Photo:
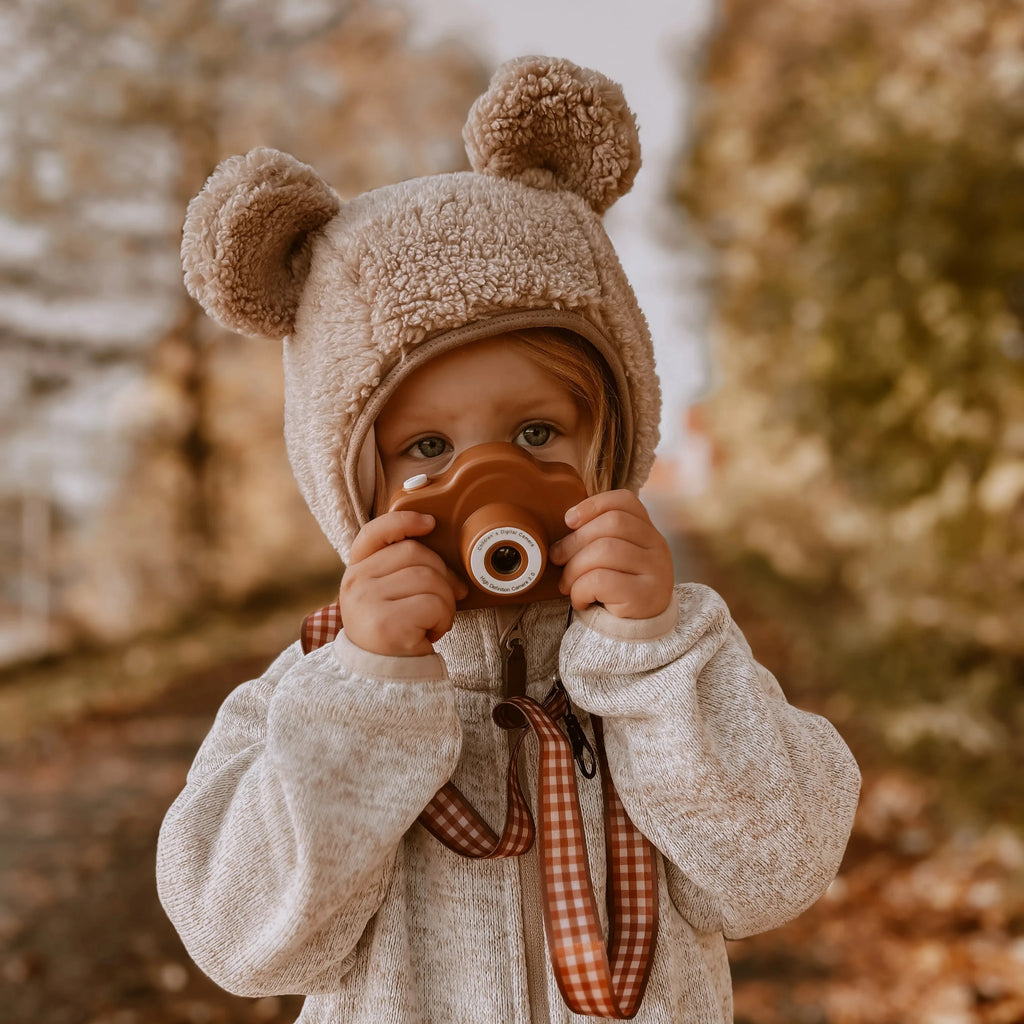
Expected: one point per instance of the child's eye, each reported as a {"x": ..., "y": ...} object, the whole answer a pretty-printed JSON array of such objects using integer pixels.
[
  {"x": 535, "y": 434},
  {"x": 429, "y": 448}
]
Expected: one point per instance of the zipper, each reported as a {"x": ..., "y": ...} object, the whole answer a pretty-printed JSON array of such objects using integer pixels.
[
  {"x": 534, "y": 946},
  {"x": 513, "y": 665}
]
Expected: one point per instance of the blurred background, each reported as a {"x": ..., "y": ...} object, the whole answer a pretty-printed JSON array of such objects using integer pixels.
[{"x": 828, "y": 239}]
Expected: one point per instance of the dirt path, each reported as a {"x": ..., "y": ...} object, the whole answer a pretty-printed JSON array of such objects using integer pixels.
[{"x": 84, "y": 939}]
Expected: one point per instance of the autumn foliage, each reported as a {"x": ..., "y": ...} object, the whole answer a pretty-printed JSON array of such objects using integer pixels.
[
  {"x": 858, "y": 170},
  {"x": 860, "y": 167}
]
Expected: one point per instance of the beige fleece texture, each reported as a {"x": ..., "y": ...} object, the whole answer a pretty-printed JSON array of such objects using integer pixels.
[{"x": 356, "y": 287}]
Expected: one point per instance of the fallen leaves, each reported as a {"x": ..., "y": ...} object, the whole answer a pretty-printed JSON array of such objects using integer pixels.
[{"x": 923, "y": 924}]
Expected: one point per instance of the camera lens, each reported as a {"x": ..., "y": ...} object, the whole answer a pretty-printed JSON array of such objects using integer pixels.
[{"x": 505, "y": 560}]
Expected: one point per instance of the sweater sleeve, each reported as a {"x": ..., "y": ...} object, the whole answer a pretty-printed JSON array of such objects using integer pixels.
[
  {"x": 280, "y": 847},
  {"x": 749, "y": 799}
]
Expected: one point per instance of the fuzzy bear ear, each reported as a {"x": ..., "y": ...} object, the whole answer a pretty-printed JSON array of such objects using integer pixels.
[
  {"x": 553, "y": 125},
  {"x": 246, "y": 243}
]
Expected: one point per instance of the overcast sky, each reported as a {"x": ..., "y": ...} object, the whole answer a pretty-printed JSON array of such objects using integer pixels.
[{"x": 648, "y": 46}]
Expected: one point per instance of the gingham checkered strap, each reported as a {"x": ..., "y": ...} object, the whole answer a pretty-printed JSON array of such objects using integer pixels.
[
  {"x": 321, "y": 627},
  {"x": 595, "y": 978}
]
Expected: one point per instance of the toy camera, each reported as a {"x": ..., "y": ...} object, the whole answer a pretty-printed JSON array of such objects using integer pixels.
[{"x": 497, "y": 511}]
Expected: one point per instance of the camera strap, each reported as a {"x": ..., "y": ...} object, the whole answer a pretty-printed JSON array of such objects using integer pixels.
[{"x": 595, "y": 977}]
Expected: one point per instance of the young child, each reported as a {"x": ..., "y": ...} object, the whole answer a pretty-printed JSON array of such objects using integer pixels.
[{"x": 421, "y": 320}]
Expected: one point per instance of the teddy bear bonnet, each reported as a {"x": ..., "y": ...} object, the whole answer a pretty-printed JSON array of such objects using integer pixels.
[{"x": 364, "y": 290}]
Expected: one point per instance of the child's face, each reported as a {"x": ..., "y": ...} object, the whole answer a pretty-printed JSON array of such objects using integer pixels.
[{"x": 485, "y": 391}]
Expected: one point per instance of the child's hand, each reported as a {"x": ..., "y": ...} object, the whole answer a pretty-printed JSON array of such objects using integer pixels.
[
  {"x": 397, "y": 596},
  {"x": 615, "y": 556}
]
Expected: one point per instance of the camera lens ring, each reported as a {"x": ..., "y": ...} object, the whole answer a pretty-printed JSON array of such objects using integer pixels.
[{"x": 524, "y": 577}]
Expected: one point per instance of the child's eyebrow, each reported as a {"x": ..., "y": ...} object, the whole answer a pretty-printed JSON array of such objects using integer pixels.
[
  {"x": 431, "y": 418},
  {"x": 532, "y": 402}
]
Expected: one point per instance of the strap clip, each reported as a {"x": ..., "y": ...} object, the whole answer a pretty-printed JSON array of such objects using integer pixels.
[{"x": 582, "y": 752}]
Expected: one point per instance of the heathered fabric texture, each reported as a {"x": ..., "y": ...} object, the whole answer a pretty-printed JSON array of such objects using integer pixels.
[{"x": 291, "y": 861}]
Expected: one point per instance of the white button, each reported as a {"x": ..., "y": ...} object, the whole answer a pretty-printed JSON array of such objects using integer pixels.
[{"x": 414, "y": 483}]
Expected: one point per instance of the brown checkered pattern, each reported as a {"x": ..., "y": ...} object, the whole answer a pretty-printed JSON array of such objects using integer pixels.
[
  {"x": 321, "y": 627},
  {"x": 594, "y": 978},
  {"x": 453, "y": 820},
  {"x": 632, "y": 892}
]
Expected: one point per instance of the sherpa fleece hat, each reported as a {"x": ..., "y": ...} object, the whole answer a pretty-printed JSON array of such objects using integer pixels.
[{"x": 363, "y": 291}]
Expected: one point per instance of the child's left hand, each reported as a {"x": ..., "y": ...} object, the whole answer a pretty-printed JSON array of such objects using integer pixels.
[{"x": 614, "y": 556}]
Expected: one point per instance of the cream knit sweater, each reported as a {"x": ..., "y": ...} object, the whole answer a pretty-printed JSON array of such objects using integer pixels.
[{"x": 292, "y": 860}]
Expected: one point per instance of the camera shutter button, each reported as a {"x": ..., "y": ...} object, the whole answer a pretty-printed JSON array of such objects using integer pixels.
[{"x": 414, "y": 483}]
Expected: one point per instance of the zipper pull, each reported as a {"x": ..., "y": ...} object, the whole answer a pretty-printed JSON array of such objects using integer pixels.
[
  {"x": 582, "y": 752},
  {"x": 513, "y": 677},
  {"x": 514, "y": 665}
]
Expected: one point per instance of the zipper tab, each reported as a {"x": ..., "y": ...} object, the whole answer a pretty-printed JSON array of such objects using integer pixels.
[
  {"x": 514, "y": 663},
  {"x": 582, "y": 752},
  {"x": 513, "y": 677}
]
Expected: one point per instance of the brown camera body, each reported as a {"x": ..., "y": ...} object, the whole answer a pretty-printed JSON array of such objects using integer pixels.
[{"x": 497, "y": 511}]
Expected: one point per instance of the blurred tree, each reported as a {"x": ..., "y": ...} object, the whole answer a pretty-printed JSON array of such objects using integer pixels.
[
  {"x": 143, "y": 472},
  {"x": 860, "y": 169}
]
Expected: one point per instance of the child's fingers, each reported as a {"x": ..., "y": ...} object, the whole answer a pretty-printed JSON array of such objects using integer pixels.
[
  {"x": 424, "y": 580},
  {"x": 397, "y": 595},
  {"x": 412, "y": 579},
  {"x": 394, "y": 612},
  {"x": 458, "y": 585},
  {"x": 413, "y": 623},
  {"x": 605, "y": 501},
  {"x": 401, "y": 554},
  {"x": 395, "y": 556},
  {"x": 615, "y": 557},
  {"x": 612, "y": 523},
  {"x": 625, "y": 595},
  {"x": 422, "y": 603},
  {"x": 592, "y": 587},
  {"x": 605, "y": 553},
  {"x": 428, "y": 609},
  {"x": 387, "y": 529}
]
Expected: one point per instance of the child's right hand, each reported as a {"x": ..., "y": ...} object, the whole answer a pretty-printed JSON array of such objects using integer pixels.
[{"x": 397, "y": 596}]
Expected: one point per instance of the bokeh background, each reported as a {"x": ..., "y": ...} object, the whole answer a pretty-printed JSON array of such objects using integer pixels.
[{"x": 828, "y": 237}]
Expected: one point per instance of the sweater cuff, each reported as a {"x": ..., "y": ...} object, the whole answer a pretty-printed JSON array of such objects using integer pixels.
[
  {"x": 600, "y": 620},
  {"x": 415, "y": 668}
]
